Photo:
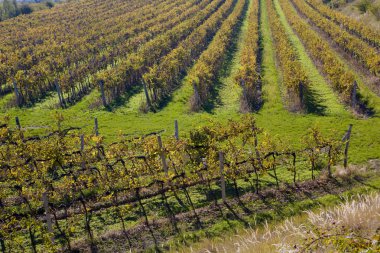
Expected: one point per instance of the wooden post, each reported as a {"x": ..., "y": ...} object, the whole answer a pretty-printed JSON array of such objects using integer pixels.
[
  {"x": 17, "y": 93},
  {"x": 301, "y": 94},
  {"x": 354, "y": 94},
  {"x": 18, "y": 123},
  {"x": 162, "y": 155},
  {"x": 81, "y": 150},
  {"x": 176, "y": 133},
  {"x": 47, "y": 213},
  {"x": 256, "y": 143},
  {"x": 244, "y": 103},
  {"x": 82, "y": 143},
  {"x": 101, "y": 84},
  {"x": 96, "y": 128},
  {"x": 197, "y": 102},
  {"x": 60, "y": 97},
  {"x": 19, "y": 127},
  {"x": 147, "y": 95},
  {"x": 329, "y": 161},
  {"x": 222, "y": 180},
  {"x": 347, "y": 139}
]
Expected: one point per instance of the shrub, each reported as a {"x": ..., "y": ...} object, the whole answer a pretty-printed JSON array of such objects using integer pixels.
[
  {"x": 364, "y": 6},
  {"x": 49, "y": 4},
  {"x": 25, "y": 9}
]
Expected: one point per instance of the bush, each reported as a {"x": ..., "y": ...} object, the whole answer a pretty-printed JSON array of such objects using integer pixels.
[
  {"x": 335, "y": 3},
  {"x": 25, "y": 9},
  {"x": 364, "y": 6},
  {"x": 50, "y": 4}
]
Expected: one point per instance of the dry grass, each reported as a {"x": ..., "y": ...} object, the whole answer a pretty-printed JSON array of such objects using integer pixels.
[
  {"x": 368, "y": 18},
  {"x": 358, "y": 217},
  {"x": 349, "y": 172}
]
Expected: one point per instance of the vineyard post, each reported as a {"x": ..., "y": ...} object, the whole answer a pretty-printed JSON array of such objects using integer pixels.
[
  {"x": 256, "y": 143},
  {"x": 301, "y": 94},
  {"x": 61, "y": 101},
  {"x": 294, "y": 155},
  {"x": 96, "y": 127},
  {"x": 82, "y": 149},
  {"x": 222, "y": 179},
  {"x": 176, "y": 134},
  {"x": 147, "y": 95},
  {"x": 81, "y": 142},
  {"x": 162, "y": 155},
  {"x": 196, "y": 102},
  {"x": 354, "y": 94},
  {"x": 19, "y": 127},
  {"x": 244, "y": 104},
  {"x": 47, "y": 213},
  {"x": 329, "y": 160},
  {"x": 347, "y": 139},
  {"x": 101, "y": 84},
  {"x": 17, "y": 93},
  {"x": 18, "y": 123}
]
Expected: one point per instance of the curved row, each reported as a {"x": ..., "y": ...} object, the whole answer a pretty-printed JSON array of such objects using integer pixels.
[
  {"x": 128, "y": 73},
  {"x": 365, "y": 54},
  {"x": 204, "y": 73},
  {"x": 69, "y": 65},
  {"x": 164, "y": 77},
  {"x": 341, "y": 79},
  {"x": 248, "y": 75},
  {"x": 73, "y": 76},
  {"x": 355, "y": 27},
  {"x": 294, "y": 76},
  {"x": 24, "y": 48}
]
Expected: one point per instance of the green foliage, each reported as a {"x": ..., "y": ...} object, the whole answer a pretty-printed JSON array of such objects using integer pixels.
[
  {"x": 9, "y": 9},
  {"x": 364, "y": 5},
  {"x": 49, "y": 4},
  {"x": 25, "y": 9}
]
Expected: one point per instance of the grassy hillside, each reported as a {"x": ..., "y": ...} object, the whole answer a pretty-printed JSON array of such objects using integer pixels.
[
  {"x": 137, "y": 66},
  {"x": 126, "y": 117}
]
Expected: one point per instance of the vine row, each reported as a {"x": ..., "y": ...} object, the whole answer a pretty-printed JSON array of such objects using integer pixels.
[
  {"x": 368, "y": 56},
  {"x": 294, "y": 75},
  {"x": 341, "y": 79},
  {"x": 205, "y": 71}
]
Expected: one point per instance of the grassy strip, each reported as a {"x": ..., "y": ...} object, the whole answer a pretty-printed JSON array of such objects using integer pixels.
[
  {"x": 229, "y": 92},
  {"x": 271, "y": 80}
]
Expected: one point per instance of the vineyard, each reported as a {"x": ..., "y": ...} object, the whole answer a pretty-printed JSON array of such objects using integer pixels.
[
  {"x": 261, "y": 94},
  {"x": 69, "y": 176}
]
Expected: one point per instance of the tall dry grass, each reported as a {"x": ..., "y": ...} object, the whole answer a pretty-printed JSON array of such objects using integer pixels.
[{"x": 353, "y": 226}]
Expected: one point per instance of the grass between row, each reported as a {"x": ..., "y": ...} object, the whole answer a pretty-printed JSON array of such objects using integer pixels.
[{"x": 273, "y": 117}]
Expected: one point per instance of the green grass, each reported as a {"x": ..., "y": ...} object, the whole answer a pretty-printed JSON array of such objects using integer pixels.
[
  {"x": 270, "y": 76},
  {"x": 273, "y": 117}
]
